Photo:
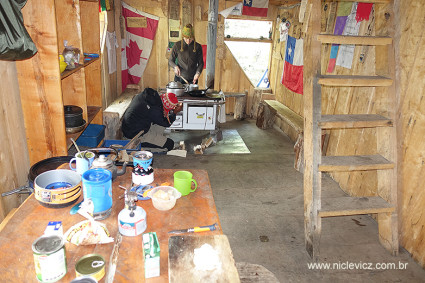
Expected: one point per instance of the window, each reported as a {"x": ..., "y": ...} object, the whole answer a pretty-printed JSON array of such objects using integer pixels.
[{"x": 252, "y": 54}]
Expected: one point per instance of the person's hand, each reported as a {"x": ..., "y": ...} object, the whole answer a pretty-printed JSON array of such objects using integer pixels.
[
  {"x": 178, "y": 108},
  {"x": 177, "y": 70},
  {"x": 195, "y": 78}
]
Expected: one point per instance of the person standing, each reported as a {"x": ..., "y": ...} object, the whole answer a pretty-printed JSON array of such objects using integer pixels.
[
  {"x": 152, "y": 113},
  {"x": 186, "y": 57}
]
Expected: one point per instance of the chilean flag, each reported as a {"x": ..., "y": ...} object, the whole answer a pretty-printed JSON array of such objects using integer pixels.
[
  {"x": 256, "y": 8},
  {"x": 292, "y": 76},
  {"x": 136, "y": 44}
]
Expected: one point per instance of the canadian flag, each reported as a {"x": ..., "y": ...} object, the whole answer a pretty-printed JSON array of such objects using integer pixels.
[
  {"x": 140, "y": 30},
  {"x": 256, "y": 8}
]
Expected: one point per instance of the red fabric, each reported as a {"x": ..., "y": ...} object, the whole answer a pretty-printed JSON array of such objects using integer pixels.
[
  {"x": 256, "y": 12},
  {"x": 204, "y": 55},
  {"x": 363, "y": 11},
  {"x": 293, "y": 77},
  {"x": 148, "y": 32}
]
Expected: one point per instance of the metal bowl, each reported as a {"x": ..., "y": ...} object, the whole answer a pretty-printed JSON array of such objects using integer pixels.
[{"x": 57, "y": 188}]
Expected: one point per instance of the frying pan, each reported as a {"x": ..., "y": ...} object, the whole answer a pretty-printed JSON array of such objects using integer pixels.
[{"x": 198, "y": 93}]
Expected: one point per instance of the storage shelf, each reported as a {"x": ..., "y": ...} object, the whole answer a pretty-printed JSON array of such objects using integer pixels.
[
  {"x": 70, "y": 72},
  {"x": 91, "y": 113}
]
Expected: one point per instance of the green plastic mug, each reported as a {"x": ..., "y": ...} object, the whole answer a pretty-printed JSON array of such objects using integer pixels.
[{"x": 183, "y": 182}]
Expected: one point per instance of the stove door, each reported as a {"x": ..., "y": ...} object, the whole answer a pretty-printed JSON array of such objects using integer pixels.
[{"x": 200, "y": 115}]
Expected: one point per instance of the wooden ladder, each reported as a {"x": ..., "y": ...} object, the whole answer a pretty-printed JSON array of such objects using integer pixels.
[{"x": 384, "y": 204}]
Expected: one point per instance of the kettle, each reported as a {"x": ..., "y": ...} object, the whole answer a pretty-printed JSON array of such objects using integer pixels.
[{"x": 106, "y": 163}]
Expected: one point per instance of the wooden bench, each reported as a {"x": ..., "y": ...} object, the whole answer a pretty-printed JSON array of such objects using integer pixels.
[
  {"x": 272, "y": 112},
  {"x": 112, "y": 115},
  {"x": 240, "y": 103}
]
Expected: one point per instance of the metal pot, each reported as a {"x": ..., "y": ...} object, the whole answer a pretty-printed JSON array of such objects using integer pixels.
[
  {"x": 175, "y": 87},
  {"x": 73, "y": 116},
  {"x": 192, "y": 87},
  {"x": 107, "y": 163}
]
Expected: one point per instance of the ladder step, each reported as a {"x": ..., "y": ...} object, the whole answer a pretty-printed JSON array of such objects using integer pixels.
[
  {"x": 353, "y": 206},
  {"x": 356, "y": 40},
  {"x": 365, "y": 1},
  {"x": 355, "y": 163},
  {"x": 341, "y": 121},
  {"x": 328, "y": 80}
]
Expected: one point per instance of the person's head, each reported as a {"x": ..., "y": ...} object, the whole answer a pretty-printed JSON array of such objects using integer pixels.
[
  {"x": 169, "y": 102},
  {"x": 188, "y": 35}
]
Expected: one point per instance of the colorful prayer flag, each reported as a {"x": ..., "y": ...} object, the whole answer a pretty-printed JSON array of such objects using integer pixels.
[
  {"x": 292, "y": 76},
  {"x": 140, "y": 30},
  {"x": 256, "y": 8}
]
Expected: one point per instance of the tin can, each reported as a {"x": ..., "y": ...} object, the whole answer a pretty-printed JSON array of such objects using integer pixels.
[
  {"x": 49, "y": 258},
  {"x": 92, "y": 265},
  {"x": 84, "y": 279}
]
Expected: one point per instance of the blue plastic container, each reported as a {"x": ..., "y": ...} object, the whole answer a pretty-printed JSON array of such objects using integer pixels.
[
  {"x": 92, "y": 135},
  {"x": 97, "y": 186}
]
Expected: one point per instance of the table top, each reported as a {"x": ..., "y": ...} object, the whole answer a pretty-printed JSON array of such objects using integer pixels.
[{"x": 31, "y": 219}]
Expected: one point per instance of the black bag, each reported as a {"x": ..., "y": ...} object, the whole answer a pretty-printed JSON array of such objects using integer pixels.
[{"x": 15, "y": 42}]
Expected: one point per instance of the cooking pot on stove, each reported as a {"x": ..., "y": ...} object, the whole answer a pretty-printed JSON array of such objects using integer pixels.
[
  {"x": 73, "y": 116},
  {"x": 192, "y": 87},
  {"x": 175, "y": 87}
]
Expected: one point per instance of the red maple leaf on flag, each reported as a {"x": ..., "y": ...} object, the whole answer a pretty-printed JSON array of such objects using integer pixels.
[{"x": 133, "y": 54}]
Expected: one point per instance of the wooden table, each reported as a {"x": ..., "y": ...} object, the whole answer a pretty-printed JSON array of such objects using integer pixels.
[{"x": 30, "y": 220}]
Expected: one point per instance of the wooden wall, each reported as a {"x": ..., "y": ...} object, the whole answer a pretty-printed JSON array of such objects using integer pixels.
[
  {"x": 14, "y": 158},
  {"x": 409, "y": 43},
  {"x": 411, "y": 72}
]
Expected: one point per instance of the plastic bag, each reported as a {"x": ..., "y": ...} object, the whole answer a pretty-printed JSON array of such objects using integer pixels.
[
  {"x": 71, "y": 55},
  {"x": 15, "y": 42}
]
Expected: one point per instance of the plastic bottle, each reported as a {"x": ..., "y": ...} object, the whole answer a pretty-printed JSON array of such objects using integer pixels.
[{"x": 132, "y": 219}]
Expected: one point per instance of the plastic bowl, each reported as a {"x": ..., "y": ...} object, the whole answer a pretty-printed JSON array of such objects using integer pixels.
[{"x": 161, "y": 203}]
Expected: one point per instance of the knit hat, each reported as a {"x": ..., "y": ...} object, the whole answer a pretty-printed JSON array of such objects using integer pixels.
[
  {"x": 169, "y": 101},
  {"x": 188, "y": 32}
]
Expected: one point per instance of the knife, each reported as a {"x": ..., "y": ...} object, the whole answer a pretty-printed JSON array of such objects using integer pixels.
[{"x": 195, "y": 229}]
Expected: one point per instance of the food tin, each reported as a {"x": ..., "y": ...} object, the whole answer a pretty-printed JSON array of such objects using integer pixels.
[
  {"x": 84, "y": 279},
  {"x": 91, "y": 265},
  {"x": 49, "y": 258}
]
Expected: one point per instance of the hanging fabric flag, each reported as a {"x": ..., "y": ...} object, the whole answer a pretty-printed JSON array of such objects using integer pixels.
[
  {"x": 140, "y": 30},
  {"x": 234, "y": 10},
  {"x": 204, "y": 55},
  {"x": 256, "y": 8},
  {"x": 363, "y": 11},
  {"x": 292, "y": 76},
  {"x": 343, "y": 10},
  {"x": 346, "y": 52}
]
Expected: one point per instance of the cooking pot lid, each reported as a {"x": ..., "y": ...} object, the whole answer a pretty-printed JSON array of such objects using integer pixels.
[
  {"x": 175, "y": 85},
  {"x": 72, "y": 110}
]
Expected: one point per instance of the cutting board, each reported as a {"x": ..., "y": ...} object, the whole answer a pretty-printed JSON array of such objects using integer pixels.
[{"x": 180, "y": 259}]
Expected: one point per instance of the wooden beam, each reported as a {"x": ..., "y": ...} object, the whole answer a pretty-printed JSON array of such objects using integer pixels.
[
  {"x": 354, "y": 163},
  {"x": 353, "y": 206},
  {"x": 355, "y": 81},
  {"x": 357, "y": 40},
  {"x": 354, "y": 121},
  {"x": 248, "y": 39}
]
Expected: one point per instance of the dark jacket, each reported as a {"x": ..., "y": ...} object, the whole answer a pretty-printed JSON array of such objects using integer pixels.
[
  {"x": 188, "y": 61},
  {"x": 145, "y": 109}
]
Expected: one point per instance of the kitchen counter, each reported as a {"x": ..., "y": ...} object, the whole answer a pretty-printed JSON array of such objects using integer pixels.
[{"x": 31, "y": 219}]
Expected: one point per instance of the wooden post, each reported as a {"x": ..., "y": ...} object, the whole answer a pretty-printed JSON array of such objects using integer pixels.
[
  {"x": 211, "y": 43},
  {"x": 312, "y": 134}
]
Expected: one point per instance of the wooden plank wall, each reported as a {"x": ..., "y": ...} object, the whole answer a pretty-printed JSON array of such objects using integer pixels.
[
  {"x": 291, "y": 99},
  {"x": 411, "y": 73},
  {"x": 14, "y": 159}
]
